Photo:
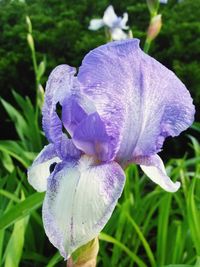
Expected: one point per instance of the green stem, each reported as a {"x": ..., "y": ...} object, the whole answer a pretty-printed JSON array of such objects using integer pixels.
[
  {"x": 147, "y": 45},
  {"x": 37, "y": 82}
]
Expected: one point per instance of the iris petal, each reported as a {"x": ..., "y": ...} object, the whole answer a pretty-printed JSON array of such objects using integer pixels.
[
  {"x": 154, "y": 168},
  {"x": 80, "y": 199},
  {"x": 90, "y": 136},
  {"x": 47, "y": 159},
  {"x": 60, "y": 84},
  {"x": 140, "y": 101},
  {"x": 96, "y": 24},
  {"x": 118, "y": 34},
  {"x": 40, "y": 169},
  {"x": 124, "y": 21},
  {"x": 110, "y": 18},
  {"x": 74, "y": 109}
]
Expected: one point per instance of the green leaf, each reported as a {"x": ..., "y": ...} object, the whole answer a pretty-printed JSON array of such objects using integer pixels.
[
  {"x": 17, "y": 118},
  {"x": 29, "y": 113},
  {"x": 143, "y": 240},
  {"x": 16, "y": 242},
  {"x": 21, "y": 210},
  {"x": 7, "y": 162},
  {"x": 41, "y": 69},
  {"x": 193, "y": 216},
  {"x": 197, "y": 262},
  {"x": 178, "y": 265},
  {"x": 163, "y": 219},
  {"x": 133, "y": 256},
  {"x": 54, "y": 260},
  {"x": 17, "y": 151},
  {"x": 196, "y": 126}
]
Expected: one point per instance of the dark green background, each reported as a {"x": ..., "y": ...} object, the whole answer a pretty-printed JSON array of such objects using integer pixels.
[{"x": 61, "y": 34}]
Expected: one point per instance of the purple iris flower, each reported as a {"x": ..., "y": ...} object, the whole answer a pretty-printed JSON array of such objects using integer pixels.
[{"x": 118, "y": 109}]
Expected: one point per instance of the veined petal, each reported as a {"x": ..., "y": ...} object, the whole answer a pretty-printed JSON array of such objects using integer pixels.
[
  {"x": 74, "y": 110},
  {"x": 80, "y": 199},
  {"x": 110, "y": 18},
  {"x": 40, "y": 169},
  {"x": 140, "y": 101},
  {"x": 96, "y": 24},
  {"x": 117, "y": 34},
  {"x": 68, "y": 150},
  {"x": 60, "y": 85},
  {"x": 90, "y": 136},
  {"x": 154, "y": 168}
]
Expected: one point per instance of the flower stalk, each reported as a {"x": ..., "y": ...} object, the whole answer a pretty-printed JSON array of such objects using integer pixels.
[{"x": 154, "y": 25}]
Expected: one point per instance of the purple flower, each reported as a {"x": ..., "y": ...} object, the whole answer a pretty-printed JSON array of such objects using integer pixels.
[
  {"x": 118, "y": 109},
  {"x": 115, "y": 24}
]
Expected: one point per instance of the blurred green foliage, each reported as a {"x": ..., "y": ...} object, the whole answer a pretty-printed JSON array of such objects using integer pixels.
[
  {"x": 178, "y": 45},
  {"x": 62, "y": 35}
]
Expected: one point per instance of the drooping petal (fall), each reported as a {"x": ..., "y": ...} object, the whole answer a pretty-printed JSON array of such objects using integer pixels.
[
  {"x": 46, "y": 161},
  {"x": 96, "y": 24},
  {"x": 154, "y": 168},
  {"x": 41, "y": 168},
  {"x": 60, "y": 84},
  {"x": 140, "y": 101},
  {"x": 80, "y": 198}
]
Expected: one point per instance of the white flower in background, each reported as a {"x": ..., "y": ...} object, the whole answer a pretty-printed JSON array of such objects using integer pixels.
[
  {"x": 166, "y": 1},
  {"x": 115, "y": 24},
  {"x": 163, "y": 1}
]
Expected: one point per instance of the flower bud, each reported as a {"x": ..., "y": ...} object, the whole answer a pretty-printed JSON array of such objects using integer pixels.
[
  {"x": 30, "y": 41},
  {"x": 40, "y": 96},
  {"x": 154, "y": 27},
  {"x": 153, "y": 6},
  {"x": 29, "y": 24}
]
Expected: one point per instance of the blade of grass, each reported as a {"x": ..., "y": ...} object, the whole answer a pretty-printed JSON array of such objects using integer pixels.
[
  {"x": 21, "y": 210},
  {"x": 193, "y": 217},
  {"x": 163, "y": 218},
  {"x": 132, "y": 255},
  {"x": 54, "y": 260},
  {"x": 16, "y": 242},
  {"x": 143, "y": 240}
]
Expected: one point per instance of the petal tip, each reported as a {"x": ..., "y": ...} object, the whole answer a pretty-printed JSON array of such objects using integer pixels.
[{"x": 173, "y": 187}]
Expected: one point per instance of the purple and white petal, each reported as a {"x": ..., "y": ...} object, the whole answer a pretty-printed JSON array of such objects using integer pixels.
[
  {"x": 40, "y": 169},
  {"x": 80, "y": 199},
  {"x": 68, "y": 150},
  {"x": 140, "y": 101},
  {"x": 96, "y": 24},
  {"x": 154, "y": 168},
  {"x": 61, "y": 84},
  {"x": 110, "y": 19},
  {"x": 90, "y": 136}
]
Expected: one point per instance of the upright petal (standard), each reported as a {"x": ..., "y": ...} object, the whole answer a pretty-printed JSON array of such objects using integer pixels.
[{"x": 140, "y": 101}]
